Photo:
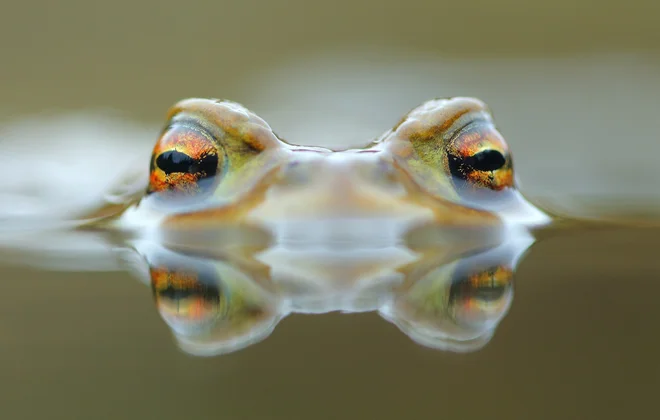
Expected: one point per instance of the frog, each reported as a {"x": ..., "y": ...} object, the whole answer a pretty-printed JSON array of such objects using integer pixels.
[{"x": 218, "y": 163}]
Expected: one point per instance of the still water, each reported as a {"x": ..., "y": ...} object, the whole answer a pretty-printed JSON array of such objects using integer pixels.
[
  {"x": 562, "y": 325},
  {"x": 573, "y": 335}
]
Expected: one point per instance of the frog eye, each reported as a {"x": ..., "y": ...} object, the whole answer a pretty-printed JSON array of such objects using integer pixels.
[
  {"x": 186, "y": 160},
  {"x": 212, "y": 149},
  {"x": 478, "y": 158},
  {"x": 451, "y": 147}
]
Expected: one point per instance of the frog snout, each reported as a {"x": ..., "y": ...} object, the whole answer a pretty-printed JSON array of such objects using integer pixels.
[{"x": 329, "y": 187}]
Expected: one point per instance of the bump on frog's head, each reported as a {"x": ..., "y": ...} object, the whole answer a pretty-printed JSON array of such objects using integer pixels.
[{"x": 455, "y": 139}]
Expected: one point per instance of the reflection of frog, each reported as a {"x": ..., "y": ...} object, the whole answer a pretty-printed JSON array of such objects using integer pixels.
[
  {"x": 441, "y": 297},
  {"x": 217, "y": 162}
]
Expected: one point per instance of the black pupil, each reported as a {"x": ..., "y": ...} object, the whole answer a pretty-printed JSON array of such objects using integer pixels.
[
  {"x": 207, "y": 292},
  {"x": 490, "y": 291},
  {"x": 174, "y": 161},
  {"x": 487, "y": 160},
  {"x": 465, "y": 290}
]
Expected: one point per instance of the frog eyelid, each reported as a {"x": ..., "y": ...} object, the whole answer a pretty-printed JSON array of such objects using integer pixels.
[
  {"x": 192, "y": 124},
  {"x": 473, "y": 121},
  {"x": 466, "y": 122}
]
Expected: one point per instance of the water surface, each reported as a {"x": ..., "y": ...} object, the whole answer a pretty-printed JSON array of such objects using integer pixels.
[{"x": 578, "y": 340}]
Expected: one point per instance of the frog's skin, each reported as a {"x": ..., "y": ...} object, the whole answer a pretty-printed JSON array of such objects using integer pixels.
[{"x": 218, "y": 163}]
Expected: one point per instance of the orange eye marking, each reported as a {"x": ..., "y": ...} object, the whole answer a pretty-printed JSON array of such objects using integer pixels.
[
  {"x": 474, "y": 140},
  {"x": 193, "y": 299},
  {"x": 181, "y": 158},
  {"x": 188, "y": 140},
  {"x": 497, "y": 276},
  {"x": 163, "y": 278}
]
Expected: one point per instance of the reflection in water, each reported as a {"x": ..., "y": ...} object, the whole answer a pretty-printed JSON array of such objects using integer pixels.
[
  {"x": 212, "y": 306},
  {"x": 456, "y": 306},
  {"x": 443, "y": 297}
]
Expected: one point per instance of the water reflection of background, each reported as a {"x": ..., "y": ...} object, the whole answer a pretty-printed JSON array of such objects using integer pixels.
[{"x": 574, "y": 88}]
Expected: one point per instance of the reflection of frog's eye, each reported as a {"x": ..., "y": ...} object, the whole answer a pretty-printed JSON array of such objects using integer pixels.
[
  {"x": 480, "y": 297},
  {"x": 189, "y": 297},
  {"x": 478, "y": 158},
  {"x": 185, "y": 160},
  {"x": 469, "y": 297},
  {"x": 457, "y": 306},
  {"x": 212, "y": 308}
]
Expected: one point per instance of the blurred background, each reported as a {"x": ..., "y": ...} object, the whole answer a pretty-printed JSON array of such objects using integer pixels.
[{"x": 574, "y": 86}]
